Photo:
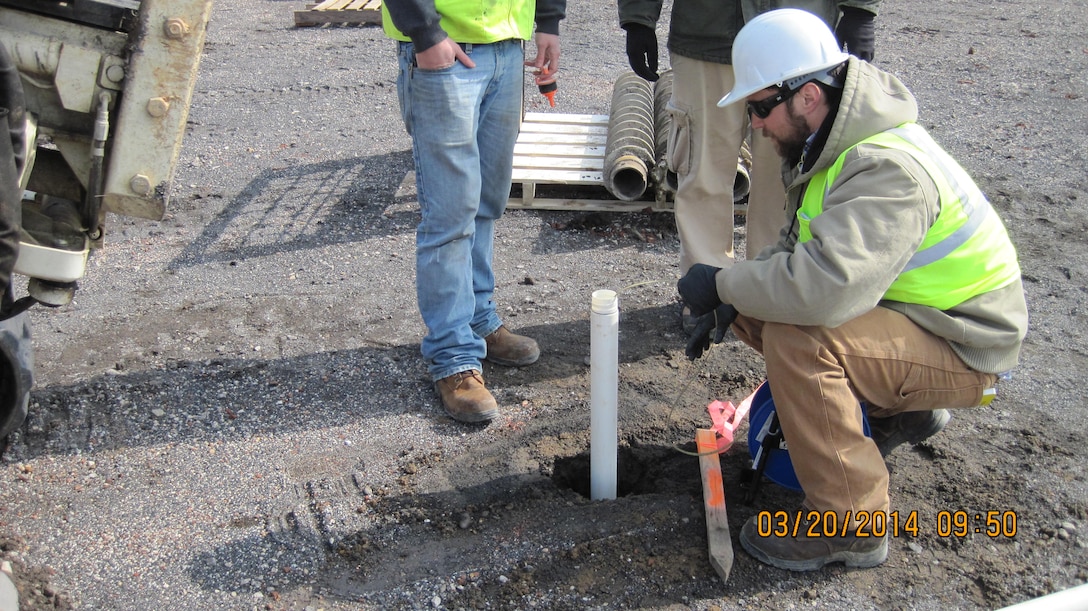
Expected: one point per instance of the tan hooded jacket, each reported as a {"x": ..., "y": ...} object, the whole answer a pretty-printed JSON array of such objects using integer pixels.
[{"x": 875, "y": 215}]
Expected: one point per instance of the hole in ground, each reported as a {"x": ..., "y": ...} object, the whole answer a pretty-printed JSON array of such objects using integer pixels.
[{"x": 639, "y": 470}]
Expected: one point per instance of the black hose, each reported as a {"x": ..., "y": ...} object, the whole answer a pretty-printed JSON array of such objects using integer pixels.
[
  {"x": 12, "y": 159},
  {"x": 11, "y": 98}
]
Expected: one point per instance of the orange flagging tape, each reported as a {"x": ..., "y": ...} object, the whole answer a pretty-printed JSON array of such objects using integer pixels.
[{"x": 726, "y": 418}]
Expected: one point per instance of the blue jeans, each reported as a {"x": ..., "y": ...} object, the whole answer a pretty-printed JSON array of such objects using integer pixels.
[{"x": 463, "y": 123}]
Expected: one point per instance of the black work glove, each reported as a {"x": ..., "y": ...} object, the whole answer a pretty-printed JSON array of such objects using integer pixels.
[
  {"x": 699, "y": 290},
  {"x": 857, "y": 31},
  {"x": 716, "y": 322},
  {"x": 642, "y": 50}
]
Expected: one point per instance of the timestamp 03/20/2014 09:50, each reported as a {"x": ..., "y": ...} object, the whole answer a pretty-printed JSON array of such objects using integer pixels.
[{"x": 951, "y": 523}]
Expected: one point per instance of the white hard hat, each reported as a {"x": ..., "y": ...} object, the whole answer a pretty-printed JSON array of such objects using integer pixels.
[{"x": 779, "y": 48}]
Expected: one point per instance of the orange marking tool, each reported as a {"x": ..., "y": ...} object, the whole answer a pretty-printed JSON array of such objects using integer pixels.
[{"x": 547, "y": 85}]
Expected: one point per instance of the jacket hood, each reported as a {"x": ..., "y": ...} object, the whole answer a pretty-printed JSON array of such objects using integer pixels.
[{"x": 873, "y": 101}]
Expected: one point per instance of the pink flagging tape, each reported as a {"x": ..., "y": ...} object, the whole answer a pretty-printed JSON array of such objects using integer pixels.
[{"x": 726, "y": 418}]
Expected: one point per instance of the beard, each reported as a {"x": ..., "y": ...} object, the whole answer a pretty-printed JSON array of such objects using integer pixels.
[{"x": 791, "y": 146}]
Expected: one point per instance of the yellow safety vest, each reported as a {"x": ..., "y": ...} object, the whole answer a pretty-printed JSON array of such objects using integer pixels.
[
  {"x": 966, "y": 251},
  {"x": 473, "y": 21}
]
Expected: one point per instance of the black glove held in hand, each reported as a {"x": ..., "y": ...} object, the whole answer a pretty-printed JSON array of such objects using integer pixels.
[
  {"x": 699, "y": 290},
  {"x": 857, "y": 30},
  {"x": 642, "y": 50},
  {"x": 716, "y": 322}
]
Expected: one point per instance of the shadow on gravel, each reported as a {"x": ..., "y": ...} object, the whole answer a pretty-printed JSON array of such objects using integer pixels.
[
  {"x": 308, "y": 206},
  {"x": 564, "y": 347},
  {"x": 344, "y": 201},
  {"x": 200, "y": 400},
  {"x": 193, "y": 401}
]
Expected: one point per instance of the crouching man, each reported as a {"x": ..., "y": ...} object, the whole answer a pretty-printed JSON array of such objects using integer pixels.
[{"x": 893, "y": 281}]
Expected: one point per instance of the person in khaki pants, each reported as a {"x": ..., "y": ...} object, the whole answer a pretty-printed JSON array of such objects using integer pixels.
[
  {"x": 895, "y": 285},
  {"x": 704, "y": 140}
]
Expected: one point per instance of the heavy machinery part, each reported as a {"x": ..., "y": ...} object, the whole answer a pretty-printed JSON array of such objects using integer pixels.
[
  {"x": 51, "y": 293},
  {"x": 159, "y": 81},
  {"x": 10, "y": 196},
  {"x": 16, "y": 372},
  {"x": 107, "y": 87},
  {"x": 16, "y": 360},
  {"x": 143, "y": 57},
  {"x": 13, "y": 101},
  {"x": 629, "y": 149}
]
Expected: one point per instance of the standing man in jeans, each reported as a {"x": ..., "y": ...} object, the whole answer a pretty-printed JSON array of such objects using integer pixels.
[
  {"x": 704, "y": 140},
  {"x": 460, "y": 91}
]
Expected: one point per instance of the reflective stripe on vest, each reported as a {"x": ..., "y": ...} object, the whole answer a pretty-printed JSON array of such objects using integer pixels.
[
  {"x": 472, "y": 21},
  {"x": 966, "y": 251}
]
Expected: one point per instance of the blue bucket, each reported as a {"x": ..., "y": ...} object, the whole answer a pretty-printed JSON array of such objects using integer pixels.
[{"x": 779, "y": 467}]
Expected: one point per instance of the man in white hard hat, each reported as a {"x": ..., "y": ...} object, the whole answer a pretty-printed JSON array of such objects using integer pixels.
[
  {"x": 895, "y": 285},
  {"x": 701, "y": 136}
]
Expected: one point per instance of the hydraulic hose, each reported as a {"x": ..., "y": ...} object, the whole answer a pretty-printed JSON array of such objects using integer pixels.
[{"x": 11, "y": 98}]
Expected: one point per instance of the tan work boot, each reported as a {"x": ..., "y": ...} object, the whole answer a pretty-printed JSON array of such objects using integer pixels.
[
  {"x": 465, "y": 398},
  {"x": 511, "y": 350}
]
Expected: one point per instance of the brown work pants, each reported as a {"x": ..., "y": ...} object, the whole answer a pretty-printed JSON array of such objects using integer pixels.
[{"x": 818, "y": 376}]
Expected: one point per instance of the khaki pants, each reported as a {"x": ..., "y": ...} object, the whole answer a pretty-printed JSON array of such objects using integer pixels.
[
  {"x": 704, "y": 143},
  {"x": 818, "y": 376}
]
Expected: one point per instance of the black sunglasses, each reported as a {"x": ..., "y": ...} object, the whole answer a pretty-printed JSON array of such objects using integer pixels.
[{"x": 763, "y": 108}]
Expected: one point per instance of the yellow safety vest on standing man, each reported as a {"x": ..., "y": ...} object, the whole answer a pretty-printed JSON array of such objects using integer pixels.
[{"x": 473, "y": 21}]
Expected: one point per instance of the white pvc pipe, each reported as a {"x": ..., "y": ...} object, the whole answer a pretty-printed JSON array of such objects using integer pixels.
[
  {"x": 1073, "y": 599},
  {"x": 604, "y": 321}
]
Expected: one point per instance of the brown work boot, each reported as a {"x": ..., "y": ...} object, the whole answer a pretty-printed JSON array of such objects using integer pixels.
[
  {"x": 465, "y": 399},
  {"x": 805, "y": 553},
  {"x": 511, "y": 350},
  {"x": 907, "y": 427}
]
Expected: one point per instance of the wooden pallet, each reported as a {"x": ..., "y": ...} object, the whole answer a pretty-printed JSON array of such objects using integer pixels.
[
  {"x": 559, "y": 165},
  {"x": 340, "y": 12}
]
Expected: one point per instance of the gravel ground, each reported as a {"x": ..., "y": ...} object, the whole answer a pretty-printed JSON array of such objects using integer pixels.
[{"x": 233, "y": 413}]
